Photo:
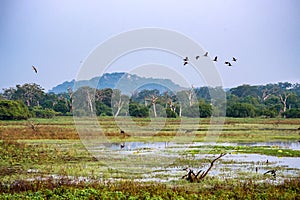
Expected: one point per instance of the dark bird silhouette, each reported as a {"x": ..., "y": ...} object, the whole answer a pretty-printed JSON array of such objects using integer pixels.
[
  {"x": 206, "y": 54},
  {"x": 228, "y": 63},
  {"x": 186, "y": 59},
  {"x": 185, "y": 63},
  {"x": 34, "y": 68},
  {"x": 215, "y": 59},
  {"x": 197, "y": 57},
  {"x": 122, "y": 145},
  {"x": 272, "y": 172},
  {"x": 267, "y": 161},
  {"x": 122, "y": 131},
  {"x": 256, "y": 169},
  {"x": 234, "y": 59}
]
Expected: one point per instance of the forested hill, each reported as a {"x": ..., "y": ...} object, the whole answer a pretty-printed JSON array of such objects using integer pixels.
[{"x": 110, "y": 80}]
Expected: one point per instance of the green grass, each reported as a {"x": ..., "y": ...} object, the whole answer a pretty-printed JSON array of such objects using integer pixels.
[
  {"x": 209, "y": 189},
  {"x": 55, "y": 148}
]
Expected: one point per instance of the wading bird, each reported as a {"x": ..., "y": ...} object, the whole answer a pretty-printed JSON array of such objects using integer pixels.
[{"x": 122, "y": 145}]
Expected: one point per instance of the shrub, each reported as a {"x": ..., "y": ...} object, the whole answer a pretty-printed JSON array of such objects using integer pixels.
[
  {"x": 43, "y": 113},
  {"x": 170, "y": 113},
  {"x": 137, "y": 110},
  {"x": 10, "y": 110},
  {"x": 241, "y": 110},
  {"x": 205, "y": 109},
  {"x": 102, "y": 109},
  {"x": 292, "y": 113}
]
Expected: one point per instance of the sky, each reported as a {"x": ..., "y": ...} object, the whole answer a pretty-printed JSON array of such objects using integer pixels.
[{"x": 58, "y": 36}]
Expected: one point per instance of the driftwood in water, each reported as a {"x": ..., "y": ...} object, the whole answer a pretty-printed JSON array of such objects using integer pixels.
[{"x": 192, "y": 177}]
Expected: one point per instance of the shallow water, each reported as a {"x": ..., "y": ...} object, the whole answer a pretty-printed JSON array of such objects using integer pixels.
[
  {"x": 163, "y": 145},
  {"x": 231, "y": 165}
]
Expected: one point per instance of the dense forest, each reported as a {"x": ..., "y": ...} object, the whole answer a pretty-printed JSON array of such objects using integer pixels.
[{"x": 271, "y": 100}]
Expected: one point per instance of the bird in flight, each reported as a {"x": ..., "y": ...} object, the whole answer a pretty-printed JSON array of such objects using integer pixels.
[
  {"x": 34, "y": 68},
  {"x": 206, "y": 54},
  {"x": 234, "y": 59},
  {"x": 228, "y": 63},
  {"x": 216, "y": 59},
  {"x": 273, "y": 172}
]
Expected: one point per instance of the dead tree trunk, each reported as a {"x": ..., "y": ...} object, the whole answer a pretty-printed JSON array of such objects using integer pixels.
[
  {"x": 153, "y": 101},
  {"x": 119, "y": 106},
  {"x": 192, "y": 177},
  {"x": 89, "y": 101},
  {"x": 283, "y": 99}
]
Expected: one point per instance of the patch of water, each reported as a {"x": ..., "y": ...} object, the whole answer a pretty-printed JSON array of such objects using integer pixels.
[{"x": 163, "y": 145}]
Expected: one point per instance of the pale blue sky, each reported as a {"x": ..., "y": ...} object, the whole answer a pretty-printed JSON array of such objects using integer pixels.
[{"x": 56, "y": 35}]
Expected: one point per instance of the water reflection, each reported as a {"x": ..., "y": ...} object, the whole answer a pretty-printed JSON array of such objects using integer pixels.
[{"x": 163, "y": 145}]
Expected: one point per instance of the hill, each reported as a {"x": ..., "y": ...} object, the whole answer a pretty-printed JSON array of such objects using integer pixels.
[{"x": 124, "y": 81}]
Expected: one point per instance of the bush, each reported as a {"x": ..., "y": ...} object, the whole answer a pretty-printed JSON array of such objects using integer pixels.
[
  {"x": 13, "y": 110},
  {"x": 43, "y": 113},
  {"x": 191, "y": 111},
  {"x": 170, "y": 113},
  {"x": 61, "y": 107},
  {"x": 137, "y": 110},
  {"x": 241, "y": 110},
  {"x": 103, "y": 110},
  {"x": 205, "y": 109},
  {"x": 292, "y": 113}
]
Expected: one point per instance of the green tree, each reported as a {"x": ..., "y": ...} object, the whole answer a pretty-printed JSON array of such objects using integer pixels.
[
  {"x": 292, "y": 113},
  {"x": 138, "y": 110},
  {"x": 61, "y": 107},
  {"x": 31, "y": 94},
  {"x": 102, "y": 109},
  {"x": 245, "y": 90},
  {"x": 241, "y": 110},
  {"x": 205, "y": 109},
  {"x": 10, "y": 110},
  {"x": 43, "y": 113}
]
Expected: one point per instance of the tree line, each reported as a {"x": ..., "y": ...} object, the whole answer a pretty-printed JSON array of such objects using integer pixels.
[{"x": 271, "y": 100}]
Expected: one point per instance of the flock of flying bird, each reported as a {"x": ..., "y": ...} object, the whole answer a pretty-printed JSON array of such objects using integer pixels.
[{"x": 186, "y": 59}]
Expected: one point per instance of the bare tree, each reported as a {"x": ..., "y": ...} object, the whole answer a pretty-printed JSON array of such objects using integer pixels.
[
  {"x": 118, "y": 101},
  {"x": 153, "y": 100},
  {"x": 192, "y": 177},
  {"x": 190, "y": 94},
  {"x": 283, "y": 99}
]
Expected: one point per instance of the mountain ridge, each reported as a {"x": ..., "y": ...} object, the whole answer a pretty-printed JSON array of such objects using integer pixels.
[{"x": 119, "y": 80}]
